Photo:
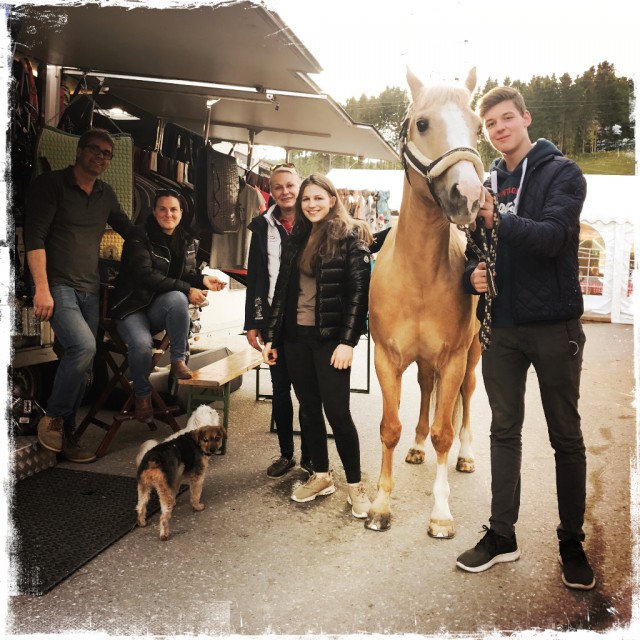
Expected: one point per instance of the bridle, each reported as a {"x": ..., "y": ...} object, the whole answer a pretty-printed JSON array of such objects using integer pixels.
[
  {"x": 432, "y": 169},
  {"x": 429, "y": 169}
]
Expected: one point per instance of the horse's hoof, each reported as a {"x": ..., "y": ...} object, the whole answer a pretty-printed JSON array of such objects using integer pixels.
[
  {"x": 442, "y": 529},
  {"x": 466, "y": 465},
  {"x": 378, "y": 522},
  {"x": 415, "y": 456}
]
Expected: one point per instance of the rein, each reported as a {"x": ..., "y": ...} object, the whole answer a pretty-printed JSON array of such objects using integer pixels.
[{"x": 486, "y": 252}]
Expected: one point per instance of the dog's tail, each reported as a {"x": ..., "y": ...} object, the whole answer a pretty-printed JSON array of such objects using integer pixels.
[{"x": 144, "y": 447}]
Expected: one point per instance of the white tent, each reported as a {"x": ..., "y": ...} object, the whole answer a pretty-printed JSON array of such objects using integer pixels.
[
  {"x": 608, "y": 227},
  {"x": 610, "y": 210}
]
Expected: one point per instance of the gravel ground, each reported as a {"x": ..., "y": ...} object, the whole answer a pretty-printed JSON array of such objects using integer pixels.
[{"x": 255, "y": 563}]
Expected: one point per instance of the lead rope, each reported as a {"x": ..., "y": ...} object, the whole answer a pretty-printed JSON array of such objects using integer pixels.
[{"x": 486, "y": 253}]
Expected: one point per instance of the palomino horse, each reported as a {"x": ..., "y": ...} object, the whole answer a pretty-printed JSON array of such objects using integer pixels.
[{"x": 418, "y": 309}]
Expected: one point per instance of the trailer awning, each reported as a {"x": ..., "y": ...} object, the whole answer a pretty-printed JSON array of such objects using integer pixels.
[{"x": 172, "y": 62}]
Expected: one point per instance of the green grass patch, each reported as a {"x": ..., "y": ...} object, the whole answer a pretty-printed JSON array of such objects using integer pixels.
[{"x": 617, "y": 163}]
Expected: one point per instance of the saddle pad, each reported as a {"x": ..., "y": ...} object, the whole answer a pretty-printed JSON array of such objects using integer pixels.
[{"x": 57, "y": 149}]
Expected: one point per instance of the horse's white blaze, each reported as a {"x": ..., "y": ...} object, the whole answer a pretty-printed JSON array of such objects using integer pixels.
[
  {"x": 466, "y": 177},
  {"x": 441, "y": 494},
  {"x": 456, "y": 126}
]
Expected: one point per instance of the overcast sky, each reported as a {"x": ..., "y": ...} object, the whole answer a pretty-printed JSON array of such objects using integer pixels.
[{"x": 363, "y": 48}]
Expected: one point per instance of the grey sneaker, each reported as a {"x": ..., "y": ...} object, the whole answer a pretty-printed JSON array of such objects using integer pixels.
[
  {"x": 315, "y": 486},
  {"x": 280, "y": 466},
  {"x": 576, "y": 570},
  {"x": 50, "y": 433},
  {"x": 357, "y": 498},
  {"x": 492, "y": 549},
  {"x": 73, "y": 452}
]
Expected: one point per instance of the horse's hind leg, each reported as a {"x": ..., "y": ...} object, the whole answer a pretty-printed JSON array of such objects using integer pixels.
[
  {"x": 379, "y": 517},
  {"x": 466, "y": 459},
  {"x": 417, "y": 452}
]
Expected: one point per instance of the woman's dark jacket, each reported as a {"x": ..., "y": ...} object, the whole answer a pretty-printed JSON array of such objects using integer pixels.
[
  {"x": 342, "y": 294},
  {"x": 256, "y": 310},
  {"x": 145, "y": 265},
  {"x": 543, "y": 239}
]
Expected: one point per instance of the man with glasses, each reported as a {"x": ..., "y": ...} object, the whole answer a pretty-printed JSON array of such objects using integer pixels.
[
  {"x": 66, "y": 215},
  {"x": 268, "y": 233}
]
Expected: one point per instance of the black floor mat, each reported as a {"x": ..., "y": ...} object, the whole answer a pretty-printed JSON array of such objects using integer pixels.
[{"x": 63, "y": 518}]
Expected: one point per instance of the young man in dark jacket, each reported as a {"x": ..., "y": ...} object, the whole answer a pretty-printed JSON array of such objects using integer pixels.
[{"x": 535, "y": 320}]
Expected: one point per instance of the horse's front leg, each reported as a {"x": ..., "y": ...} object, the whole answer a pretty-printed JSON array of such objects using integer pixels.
[
  {"x": 466, "y": 459},
  {"x": 417, "y": 452},
  {"x": 442, "y": 434},
  {"x": 379, "y": 517}
]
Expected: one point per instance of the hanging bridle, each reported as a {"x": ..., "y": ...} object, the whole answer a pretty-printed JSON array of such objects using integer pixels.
[{"x": 432, "y": 169}]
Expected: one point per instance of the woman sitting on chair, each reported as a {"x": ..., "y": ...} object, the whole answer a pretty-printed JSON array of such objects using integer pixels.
[{"x": 157, "y": 280}]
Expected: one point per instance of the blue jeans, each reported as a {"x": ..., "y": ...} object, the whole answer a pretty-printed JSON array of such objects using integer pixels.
[
  {"x": 555, "y": 350},
  {"x": 168, "y": 311},
  {"x": 75, "y": 324}
]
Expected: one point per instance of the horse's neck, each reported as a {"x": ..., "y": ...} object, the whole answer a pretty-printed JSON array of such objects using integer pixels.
[{"x": 422, "y": 228}]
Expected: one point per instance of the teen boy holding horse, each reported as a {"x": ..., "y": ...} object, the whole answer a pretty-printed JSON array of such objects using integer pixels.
[{"x": 535, "y": 320}]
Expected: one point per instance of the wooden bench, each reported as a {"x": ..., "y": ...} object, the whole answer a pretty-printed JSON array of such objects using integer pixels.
[{"x": 218, "y": 375}]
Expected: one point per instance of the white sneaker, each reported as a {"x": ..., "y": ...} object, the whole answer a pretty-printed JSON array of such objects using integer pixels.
[
  {"x": 316, "y": 485},
  {"x": 357, "y": 498}
]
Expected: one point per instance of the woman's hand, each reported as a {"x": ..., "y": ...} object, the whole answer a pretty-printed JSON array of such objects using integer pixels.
[
  {"x": 342, "y": 356},
  {"x": 269, "y": 354},
  {"x": 254, "y": 338},
  {"x": 213, "y": 284},
  {"x": 197, "y": 296}
]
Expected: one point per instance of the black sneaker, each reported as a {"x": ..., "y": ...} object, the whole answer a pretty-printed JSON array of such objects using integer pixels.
[
  {"x": 307, "y": 465},
  {"x": 576, "y": 570},
  {"x": 280, "y": 466},
  {"x": 492, "y": 549}
]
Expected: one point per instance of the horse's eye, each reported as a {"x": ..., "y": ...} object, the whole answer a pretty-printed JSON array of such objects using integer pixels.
[{"x": 422, "y": 125}]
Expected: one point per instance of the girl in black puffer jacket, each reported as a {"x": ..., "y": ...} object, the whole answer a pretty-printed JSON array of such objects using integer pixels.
[{"x": 318, "y": 315}]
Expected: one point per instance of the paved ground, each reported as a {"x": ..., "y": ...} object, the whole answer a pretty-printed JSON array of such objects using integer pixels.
[{"x": 254, "y": 562}]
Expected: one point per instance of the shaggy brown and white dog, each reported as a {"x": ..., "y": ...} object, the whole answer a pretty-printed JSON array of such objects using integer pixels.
[{"x": 185, "y": 454}]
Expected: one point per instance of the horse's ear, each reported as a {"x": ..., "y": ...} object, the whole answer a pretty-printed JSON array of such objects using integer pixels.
[
  {"x": 470, "y": 82},
  {"x": 415, "y": 84}
]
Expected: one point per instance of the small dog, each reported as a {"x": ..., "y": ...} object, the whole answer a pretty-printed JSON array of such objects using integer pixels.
[{"x": 185, "y": 454}]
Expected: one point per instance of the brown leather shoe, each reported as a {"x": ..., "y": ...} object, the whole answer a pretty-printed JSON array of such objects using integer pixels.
[
  {"x": 180, "y": 370},
  {"x": 144, "y": 409},
  {"x": 73, "y": 451},
  {"x": 50, "y": 433}
]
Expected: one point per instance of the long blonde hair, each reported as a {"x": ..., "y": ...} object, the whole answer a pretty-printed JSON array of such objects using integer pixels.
[{"x": 331, "y": 231}]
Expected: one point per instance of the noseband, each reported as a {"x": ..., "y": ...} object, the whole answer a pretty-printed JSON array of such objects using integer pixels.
[{"x": 429, "y": 169}]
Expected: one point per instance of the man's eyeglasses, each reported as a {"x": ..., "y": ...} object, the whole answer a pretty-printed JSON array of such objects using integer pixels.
[
  {"x": 97, "y": 151},
  {"x": 283, "y": 165}
]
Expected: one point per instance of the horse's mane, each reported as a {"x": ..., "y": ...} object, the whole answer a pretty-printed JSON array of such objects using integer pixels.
[{"x": 439, "y": 94}]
